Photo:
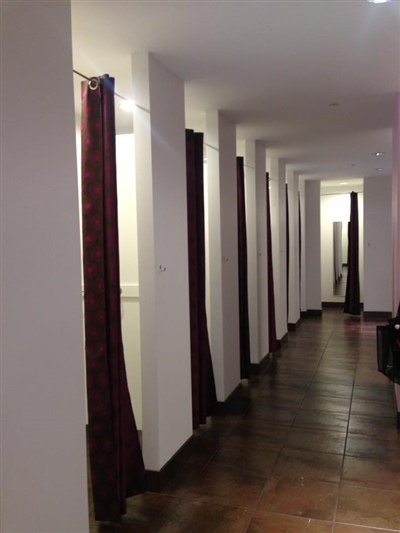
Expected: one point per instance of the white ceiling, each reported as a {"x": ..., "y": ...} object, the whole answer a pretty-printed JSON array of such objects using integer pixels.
[{"x": 272, "y": 66}]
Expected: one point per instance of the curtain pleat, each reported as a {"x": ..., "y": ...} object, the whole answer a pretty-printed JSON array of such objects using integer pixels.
[
  {"x": 203, "y": 384},
  {"x": 116, "y": 462},
  {"x": 273, "y": 342},
  {"x": 243, "y": 285},
  {"x": 352, "y": 300}
]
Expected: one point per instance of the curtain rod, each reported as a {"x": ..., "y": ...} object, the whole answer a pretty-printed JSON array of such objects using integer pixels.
[
  {"x": 95, "y": 78},
  {"x": 115, "y": 93}
]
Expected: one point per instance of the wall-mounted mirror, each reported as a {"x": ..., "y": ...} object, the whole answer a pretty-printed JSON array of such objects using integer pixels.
[{"x": 340, "y": 245}]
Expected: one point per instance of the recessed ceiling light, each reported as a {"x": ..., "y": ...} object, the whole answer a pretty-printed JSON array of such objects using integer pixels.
[
  {"x": 378, "y": 1},
  {"x": 378, "y": 153},
  {"x": 379, "y": 169},
  {"x": 343, "y": 183}
]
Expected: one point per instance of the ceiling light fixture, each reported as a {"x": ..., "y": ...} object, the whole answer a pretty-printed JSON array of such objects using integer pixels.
[
  {"x": 378, "y": 1},
  {"x": 378, "y": 153},
  {"x": 379, "y": 169},
  {"x": 343, "y": 183}
]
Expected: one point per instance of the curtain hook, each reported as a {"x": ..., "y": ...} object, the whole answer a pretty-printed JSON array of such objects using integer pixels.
[{"x": 93, "y": 83}]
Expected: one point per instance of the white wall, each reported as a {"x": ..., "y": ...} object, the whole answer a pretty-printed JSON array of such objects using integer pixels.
[
  {"x": 294, "y": 279},
  {"x": 336, "y": 208},
  {"x": 312, "y": 227},
  {"x": 127, "y": 222},
  {"x": 163, "y": 259},
  {"x": 378, "y": 252},
  {"x": 277, "y": 174},
  {"x": 303, "y": 297},
  {"x": 43, "y": 439},
  {"x": 223, "y": 252}
]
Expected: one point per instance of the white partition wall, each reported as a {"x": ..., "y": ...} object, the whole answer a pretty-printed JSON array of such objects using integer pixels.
[
  {"x": 378, "y": 252},
  {"x": 313, "y": 245},
  {"x": 262, "y": 257},
  {"x": 302, "y": 244},
  {"x": 223, "y": 317},
  {"x": 43, "y": 440},
  {"x": 163, "y": 259},
  {"x": 294, "y": 279},
  {"x": 277, "y": 174},
  {"x": 254, "y": 159}
]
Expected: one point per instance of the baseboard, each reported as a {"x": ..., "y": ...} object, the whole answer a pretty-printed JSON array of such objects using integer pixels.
[
  {"x": 311, "y": 313},
  {"x": 333, "y": 304},
  {"x": 376, "y": 315},
  {"x": 293, "y": 326},
  {"x": 257, "y": 368},
  {"x": 282, "y": 341},
  {"x": 157, "y": 481}
]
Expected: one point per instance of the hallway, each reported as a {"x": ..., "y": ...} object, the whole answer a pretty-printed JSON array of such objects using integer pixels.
[{"x": 310, "y": 445}]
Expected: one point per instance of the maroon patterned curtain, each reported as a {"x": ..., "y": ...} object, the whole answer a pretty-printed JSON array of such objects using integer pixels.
[
  {"x": 116, "y": 463},
  {"x": 352, "y": 300},
  {"x": 204, "y": 396},
  {"x": 273, "y": 342},
  {"x": 243, "y": 291}
]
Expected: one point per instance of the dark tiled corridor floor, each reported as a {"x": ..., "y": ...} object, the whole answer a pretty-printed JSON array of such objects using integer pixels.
[{"x": 310, "y": 446}]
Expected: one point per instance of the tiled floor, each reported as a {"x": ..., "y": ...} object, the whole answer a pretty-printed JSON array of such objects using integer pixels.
[{"x": 310, "y": 446}]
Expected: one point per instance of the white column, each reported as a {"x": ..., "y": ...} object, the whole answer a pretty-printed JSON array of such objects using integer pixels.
[
  {"x": 294, "y": 280},
  {"x": 313, "y": 245},
  {"x": 43, "y": 444},
  {"x": 396, "y": 220},
  {"x": 163, "y": 259},
  {"x": 256, "y": 248},
  {"x": 277, "y": 174},
  {"x": 378, "y": 265},
  {"x": 223, "y": 317},
  {"x": 262, "y": 256},
  {"x": 303, "y": 299}
]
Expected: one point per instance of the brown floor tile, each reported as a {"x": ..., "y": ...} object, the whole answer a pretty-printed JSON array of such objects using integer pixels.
[
  {"x": 308, "y": 465},
  {"x": 227, "y": 486},
  {"x": 373, "y": 448},
  {"x": 373, "y": 426},
  {"x": 201, "y": 517},
  {"x": 316, "y": 440},
  {"x": 263, "y": 432},
  {"x": 326, "y": 403},
  {"x": 307, "y": 418},
  {"x": 343, "y": 528},
  {"x": 274, "y": 523},
  {"x": 299, "y": 497},
  {"x": 378, "y": 394},
  {"x": 330, "y": 389},
  {"x": 277, "y": 415},
  {"x": 248, "y": 456},
  {"x": 371, "y": 473},
  {"x": 372, "y": 408},
  {"x": 369, "y": 507}
]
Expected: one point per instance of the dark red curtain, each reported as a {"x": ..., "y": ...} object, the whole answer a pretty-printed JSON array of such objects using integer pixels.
[
  {"x": 204, "y": 396},
  {"x": 273, "y": 341},
  {"x": 352, "y": 300},
  {"x": 116, "y": 463},
  {"x": 243, "y": 290}
]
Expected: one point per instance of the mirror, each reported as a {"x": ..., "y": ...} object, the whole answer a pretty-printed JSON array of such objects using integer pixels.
[{"x": 339, "y": 258}]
